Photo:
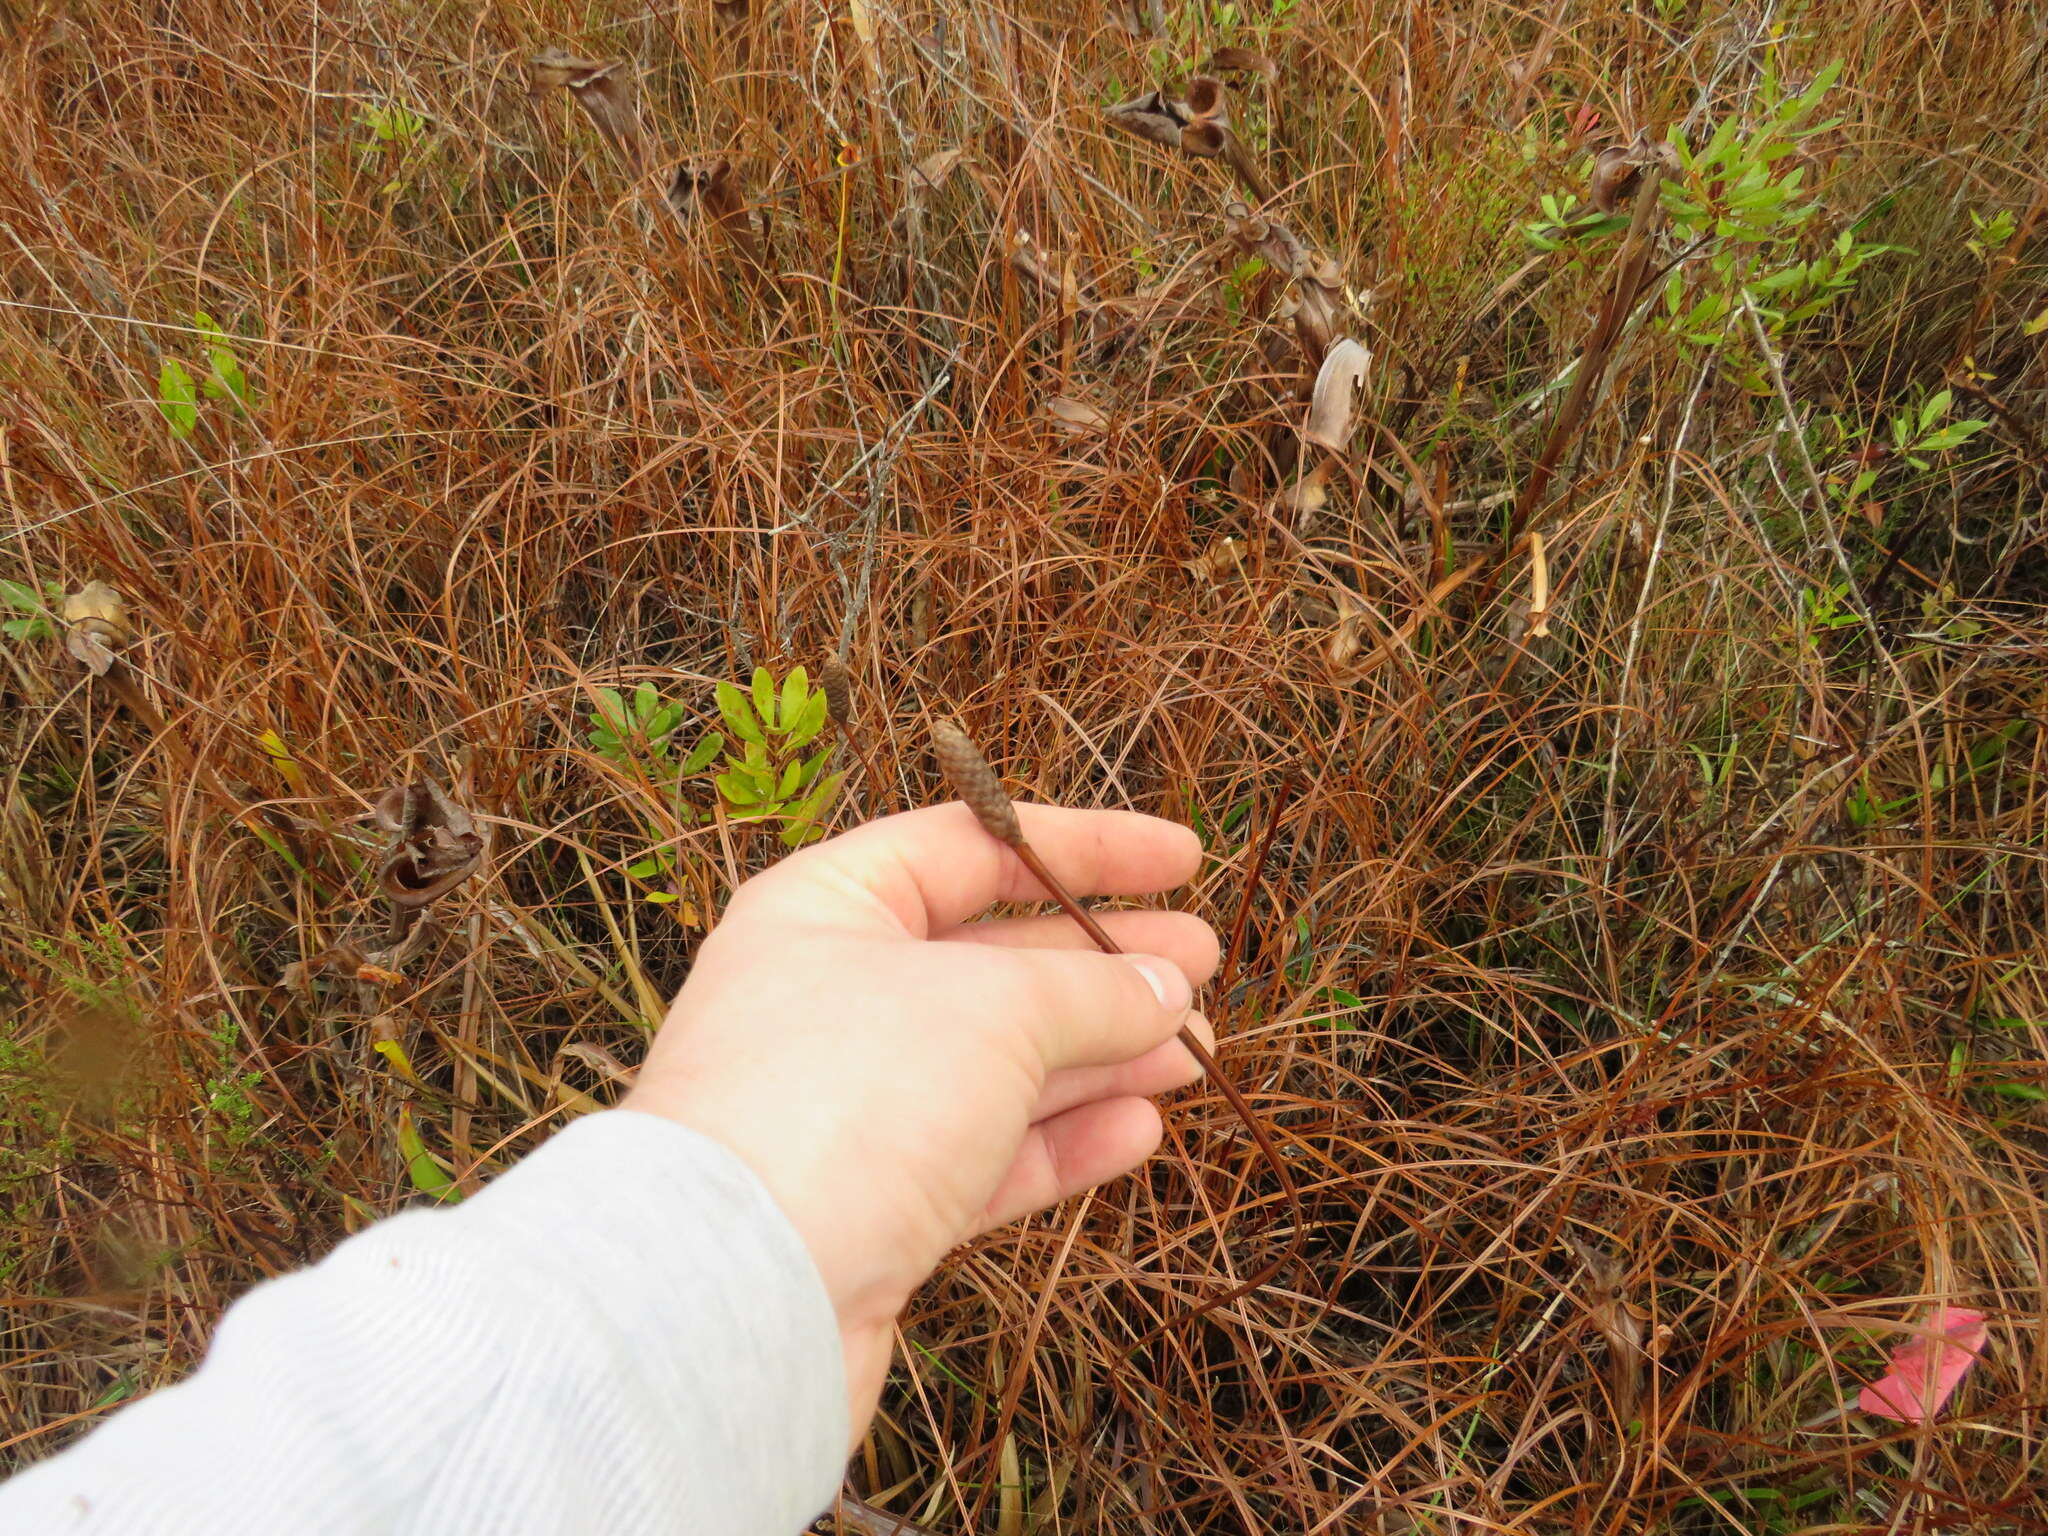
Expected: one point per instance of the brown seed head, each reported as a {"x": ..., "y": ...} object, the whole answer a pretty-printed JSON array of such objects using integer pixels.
[
  {"x": 975, "y": 782},
  {"x": 837, "y": 684}
]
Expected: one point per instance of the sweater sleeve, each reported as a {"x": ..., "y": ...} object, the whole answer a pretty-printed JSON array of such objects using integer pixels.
[{"x": 622, "y": 1334}]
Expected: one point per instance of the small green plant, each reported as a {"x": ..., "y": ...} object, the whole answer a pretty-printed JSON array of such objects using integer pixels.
[
  {"x": 225, "y": 378},
  {"x": 765, "y": 774},
  {"x": 1990, "y": 234},
  {"x": 230, "y": 1094},
  {"x": 392, "y": 122},
  {"x": 1566, "y": 219},
  {"x": 396, "y": 132},
  {"x": 1915, "y": 435},
  {"x": 1826, "y": 607},
  {"x": 641, "y": 732},
  {"x": 1743, "y": 199},
  {"x": 768, "y": 778},
  {"x": 178, "y": 390},
  {"x": 35, "y": 621}
]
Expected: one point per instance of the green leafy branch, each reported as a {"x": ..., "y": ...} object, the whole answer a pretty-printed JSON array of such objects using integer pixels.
[
  {"x": 37, "y": 613},
  {"x": 764, "y": 772},
  {"x": 178, "y": 392},
  {"x": 768, "y": 777}
]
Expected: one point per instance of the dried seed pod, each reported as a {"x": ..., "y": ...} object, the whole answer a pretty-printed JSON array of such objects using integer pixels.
[
  {"x": 975, "y": 782},
  {"x": 837, "y": 684},
  {"x": 1244, "y": 59},
  {"x": 434, "y": 848},
  {"x": 1614, "y": 179},
  {"x": 98, "y": 620}
]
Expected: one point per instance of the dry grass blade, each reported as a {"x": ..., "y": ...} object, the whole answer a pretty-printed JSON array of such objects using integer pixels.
[{"x": 1707, "y": 929}]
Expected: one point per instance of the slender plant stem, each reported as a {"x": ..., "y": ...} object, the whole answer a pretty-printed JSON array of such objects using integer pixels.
[{"x": 1207, "y": 1061}]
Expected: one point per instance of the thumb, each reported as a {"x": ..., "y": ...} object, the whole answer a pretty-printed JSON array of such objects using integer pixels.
[{"x": 1089, "y": 1009}]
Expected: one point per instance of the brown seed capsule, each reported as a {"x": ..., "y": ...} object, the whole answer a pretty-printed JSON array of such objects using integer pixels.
[
  {"x": 837, "y": 683},
  {"x": 1616, "y": 175},
  {"x": 975, "y": 782}
]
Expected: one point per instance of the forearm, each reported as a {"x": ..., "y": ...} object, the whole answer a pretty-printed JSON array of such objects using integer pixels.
[{"x": 622, "y": 1334}]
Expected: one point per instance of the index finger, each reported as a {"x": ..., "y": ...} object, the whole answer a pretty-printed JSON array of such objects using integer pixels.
[{"x": 926, "y": 870}]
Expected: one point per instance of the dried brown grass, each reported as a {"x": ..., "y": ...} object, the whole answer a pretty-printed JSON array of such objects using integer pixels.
[{"x": 1658, "y": 1087}]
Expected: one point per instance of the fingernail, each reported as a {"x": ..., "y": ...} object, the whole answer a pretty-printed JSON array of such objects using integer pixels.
[{"x": 1165, "y": 980}]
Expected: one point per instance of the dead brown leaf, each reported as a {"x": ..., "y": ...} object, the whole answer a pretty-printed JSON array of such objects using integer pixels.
[
  {"x": 604, "y": 89},
  {"x": 1347, "y": 639},
  {"x": 712, "y": 190},
  {"x": 600, "y": 1061},
  {"x": 1616, "y": 1323},
  {"x": 1245, "y": 60},
  {"x": 1154, "y": 117},
  {"x": 1307, "y": 495},
  {"x": 1315, "y": 301},
  {"x": 1614, "y": 178},
  {"x": 434, "y": 844},
  {"x": 1333, "y": 407},
  {"x": 1225, "y": 555},
  {"x": 931, "y": 173},
  {"x": 1076, "y": 416},
  {"x": 850, "y": 1517}
]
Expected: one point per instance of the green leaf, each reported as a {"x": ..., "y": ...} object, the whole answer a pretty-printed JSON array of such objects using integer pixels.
[
  {"x": 177, "y": 398},
  {"x": 732, "y": 704},
  {"x": 1936, "y": 407},
  {"x": 808, "y": 812},
  {"x": 646, "y": 869},
  {"x": 664, "y": 722},
  {"x": 427, "y": 1174},
  {"x": 790, "y": 781},
  {"x": 701, "y": 754},
  {"x": 227, "y": 379},
  {"x": 738, "y": 787},
  {"x": 796, "y": 693},
  {"x": 764, "y": 696},
  {"x": 658, "y": 898},
  {"x": 808, "y": 772},
  {"x": 809, "y": 721},
  {"x": 20, "y": 595},
  {"x": 645, "y": 702},
  {"x": 1822, "y": 84},
  {"x": 1954, "y": 435},
  {"x": 2025, "y": 1091},
  {"x": 1719, "y": 144}
]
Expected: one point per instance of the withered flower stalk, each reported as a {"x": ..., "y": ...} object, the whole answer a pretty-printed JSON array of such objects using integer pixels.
[{"x": 975, "y": 782}]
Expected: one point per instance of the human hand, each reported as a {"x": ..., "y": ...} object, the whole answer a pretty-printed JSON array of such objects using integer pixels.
[{"x": 901, "y": 1078}]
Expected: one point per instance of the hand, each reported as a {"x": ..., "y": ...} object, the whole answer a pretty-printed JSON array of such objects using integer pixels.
[{"x": 903, "y": 1079}]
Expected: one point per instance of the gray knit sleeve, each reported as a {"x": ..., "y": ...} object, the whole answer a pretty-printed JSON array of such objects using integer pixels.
[{"x": 621, "y": 1335}]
